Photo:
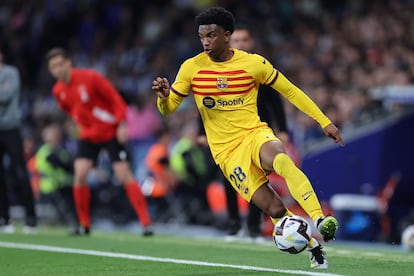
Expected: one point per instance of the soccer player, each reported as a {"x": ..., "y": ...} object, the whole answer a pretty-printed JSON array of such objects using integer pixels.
[
  {"x": 271, "y": 111},
  {"x": 11, "y": 144},
  {"x": 99, "y": 111},
  {"x": 225, "y": 84}
]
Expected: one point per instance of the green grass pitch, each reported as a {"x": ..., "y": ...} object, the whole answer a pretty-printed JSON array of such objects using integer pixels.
[{"x": 52, "y": 252}]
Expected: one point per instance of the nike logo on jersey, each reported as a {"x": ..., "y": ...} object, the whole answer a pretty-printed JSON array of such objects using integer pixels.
[
  {"x": 264, "y": 61},
  {"x": 306, "y": 195}
]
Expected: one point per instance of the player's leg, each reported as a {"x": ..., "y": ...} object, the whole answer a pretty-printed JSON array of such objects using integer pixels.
[
  {"x": 87, "y": 153},
  {"x": 14, "y": 149},
  {"x": 273, "y": 157},
  {"x": 5, "y": 225},
  {"x": 317, "y": 255},
  {"x": 136, "y": 197},
  {"x": 270, "y": 203},
  {"x": 249, "y": 178},
  {"x": 122, "y": 170},
  {"x": 246, "y": 175},
  {"x": 82, "y": 195}
]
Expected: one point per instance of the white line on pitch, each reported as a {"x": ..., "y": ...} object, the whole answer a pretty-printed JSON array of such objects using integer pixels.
[{"x": 153, "y": 259}]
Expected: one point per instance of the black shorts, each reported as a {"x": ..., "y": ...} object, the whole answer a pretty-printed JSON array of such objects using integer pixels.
[{"x": 89, "y": 150}]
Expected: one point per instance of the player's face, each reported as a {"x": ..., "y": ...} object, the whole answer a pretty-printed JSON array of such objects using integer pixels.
[
  {"x": 59, "y": 67},
  {"x": 241, "y": 39},
  {"x": 215, "y": 41}
]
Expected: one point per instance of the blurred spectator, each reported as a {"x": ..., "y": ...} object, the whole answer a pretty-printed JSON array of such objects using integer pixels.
[
  {"x": 11, "y": 146},
  {"x": 142, "y": 120},
  {"x": 187, "y": 158},
  {"x": 161, "y": 181},
  {"x": 55, "y": 166},
  {"x": 339, "y": 46},
  {"x": 188, "y": 162}
]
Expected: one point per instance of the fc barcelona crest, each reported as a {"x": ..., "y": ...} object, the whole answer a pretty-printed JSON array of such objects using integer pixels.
[{"x": 222, "y": 83}]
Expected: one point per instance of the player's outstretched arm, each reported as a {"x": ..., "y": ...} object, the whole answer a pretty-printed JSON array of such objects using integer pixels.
[
  {"x": 298, "y": 98},
  {"x": 166, "y": 102},
  {"x": 332, "y": 131},
  {"x": 161, "y": 87}
]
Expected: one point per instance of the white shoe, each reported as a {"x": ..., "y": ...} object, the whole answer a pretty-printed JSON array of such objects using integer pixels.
[
  {"x": 235, "y": 235},
  {"x": 29, "y": 229},
  {"x": 7, "y": 229},
  {"x": 317, "y": 257},
  {"x": 259, "y": 239}
]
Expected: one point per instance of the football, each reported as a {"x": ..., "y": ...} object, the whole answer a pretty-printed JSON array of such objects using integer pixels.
[
  {"x": 407, "y": 238},
  {"x": 292, "y": 234}
]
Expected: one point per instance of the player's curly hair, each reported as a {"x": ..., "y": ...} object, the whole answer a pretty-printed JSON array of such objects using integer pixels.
[{"x": 216, "y": 15}]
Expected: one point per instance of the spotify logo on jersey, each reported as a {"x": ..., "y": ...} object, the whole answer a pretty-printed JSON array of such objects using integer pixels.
[{"x": 209, "y": 102}]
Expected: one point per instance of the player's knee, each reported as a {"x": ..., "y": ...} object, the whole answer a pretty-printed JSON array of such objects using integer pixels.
[
  {"x": 268, "y": 153},
  {"x": 80, "y": 178},
  {"x": 124, "y": 176},
  {"x": 277, "y": 210}
]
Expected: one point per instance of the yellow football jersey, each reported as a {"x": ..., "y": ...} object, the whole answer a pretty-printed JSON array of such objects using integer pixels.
[{"x": 226, "y": 96}]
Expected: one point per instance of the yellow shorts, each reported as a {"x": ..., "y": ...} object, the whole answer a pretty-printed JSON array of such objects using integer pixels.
[{"x": 243, "y": 168}]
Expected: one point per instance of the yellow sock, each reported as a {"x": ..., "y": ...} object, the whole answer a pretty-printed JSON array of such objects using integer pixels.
[
  {"x": 299, "y": 185},
  {"x": 313, "y": 243},
  {"x": 275, "y": 220}
]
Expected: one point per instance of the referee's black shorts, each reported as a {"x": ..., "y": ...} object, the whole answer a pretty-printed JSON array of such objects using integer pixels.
[{"x": 90, "y": 150}]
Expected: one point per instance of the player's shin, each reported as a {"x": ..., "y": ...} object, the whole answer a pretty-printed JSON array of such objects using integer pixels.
[
  {"x": 82, "y": 199},
  {"x": 275, "y": 220},
  {"x": 298, "y": 185},
  {"x": 138, "y": 202},
  {"x": 313, "y": 243}
]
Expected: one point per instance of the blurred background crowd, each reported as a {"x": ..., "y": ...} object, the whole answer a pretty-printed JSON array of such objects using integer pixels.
[{"x": 336, "y": 51}]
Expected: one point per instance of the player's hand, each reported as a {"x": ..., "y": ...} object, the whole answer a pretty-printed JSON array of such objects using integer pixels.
[
  {"x": 161, "y": 87},
  {"x": 332, "y": 131}
]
